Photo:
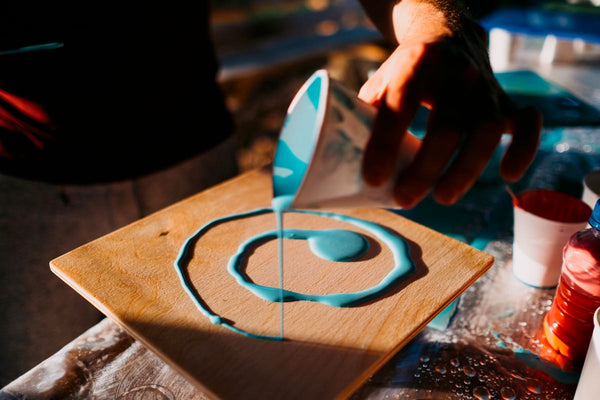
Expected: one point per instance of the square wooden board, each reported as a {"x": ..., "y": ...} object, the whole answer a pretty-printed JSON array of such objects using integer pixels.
[{"x": 328, "y": 352}]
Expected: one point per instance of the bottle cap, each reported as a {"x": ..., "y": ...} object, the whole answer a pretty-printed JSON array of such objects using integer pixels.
[{"x": 595, "y": 217}]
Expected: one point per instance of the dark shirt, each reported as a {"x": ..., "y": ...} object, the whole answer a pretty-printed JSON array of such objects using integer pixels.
[{"x": 131, "y": 89}]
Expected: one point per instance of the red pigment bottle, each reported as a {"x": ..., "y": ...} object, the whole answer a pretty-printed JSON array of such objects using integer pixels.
[{"x": 569, "y": 323}]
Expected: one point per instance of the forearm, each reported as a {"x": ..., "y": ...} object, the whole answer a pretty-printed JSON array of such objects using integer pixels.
[{"x": 403, "y": 20}]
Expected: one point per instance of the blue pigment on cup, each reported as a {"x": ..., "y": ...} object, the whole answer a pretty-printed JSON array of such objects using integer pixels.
[{"x": 298, "y": 136}]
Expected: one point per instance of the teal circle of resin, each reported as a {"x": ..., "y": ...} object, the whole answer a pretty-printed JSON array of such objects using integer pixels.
[
  {"x": 336, "y": 245},
  {"x": 332, "y": 246},
  {"x": 295, "y": 149}
]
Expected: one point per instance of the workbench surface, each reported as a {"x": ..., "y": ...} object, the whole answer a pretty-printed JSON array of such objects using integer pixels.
[{"x": 491, "y": 347}]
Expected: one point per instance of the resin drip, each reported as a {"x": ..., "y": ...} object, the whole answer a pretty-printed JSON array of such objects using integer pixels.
[{"x": 279, "y": 205}]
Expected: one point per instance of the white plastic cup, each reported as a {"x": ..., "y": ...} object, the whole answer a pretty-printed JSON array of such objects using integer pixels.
[
  {"x": 591, "y": 188},
  {"x": 544, "y": 220},
  {"x": 588, "y": 387},
  {"x": 320, "y": 150}
]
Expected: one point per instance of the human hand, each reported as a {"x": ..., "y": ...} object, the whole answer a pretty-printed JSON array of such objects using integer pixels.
[{"x": 443, "y": 65}]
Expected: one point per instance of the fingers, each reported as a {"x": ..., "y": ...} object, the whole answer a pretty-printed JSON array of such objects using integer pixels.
[
  {"x": 478, "y": 148},
  {"x": 480, "y": 119},
  {"x": 469, "y": 163},
  {"x": 393, "y": 87},
  {"x": 446, "y": 129},
  {"x": 525, "y": 126},
  {"x": 442, "y": 139},
  {"x": 384, "y": 144},
  {"x": 469, "y": 114},
  {"x": 393, "y": 75}
]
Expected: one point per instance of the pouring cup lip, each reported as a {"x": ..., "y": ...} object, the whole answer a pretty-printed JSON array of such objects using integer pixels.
[{"x": 322, "y": 76}]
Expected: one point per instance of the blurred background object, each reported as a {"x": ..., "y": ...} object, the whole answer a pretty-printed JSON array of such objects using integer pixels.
[
  {"x": 268, "y": 48},
  {"x": 547, "y": 32}
]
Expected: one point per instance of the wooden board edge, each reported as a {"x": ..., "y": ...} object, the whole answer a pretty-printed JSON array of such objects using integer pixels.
[
  {"x": 106, "y": 311},
  {"x": 354, "y": 386},
  {"x": 232, "y": 181}
]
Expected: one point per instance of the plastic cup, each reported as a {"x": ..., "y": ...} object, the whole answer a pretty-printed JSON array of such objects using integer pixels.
[
  {"x": 320, "y": 149},
  {"x": 588, "y": 387},
  {"x": 544, "y": 220},
  {"x": 591, "y": 188}
]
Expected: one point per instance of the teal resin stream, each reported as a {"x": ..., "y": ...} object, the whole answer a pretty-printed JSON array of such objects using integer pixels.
[{"x": 332, "y": 244}]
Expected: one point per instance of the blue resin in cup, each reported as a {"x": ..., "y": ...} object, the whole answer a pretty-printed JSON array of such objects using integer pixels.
[{"x": 320, "y": 150}]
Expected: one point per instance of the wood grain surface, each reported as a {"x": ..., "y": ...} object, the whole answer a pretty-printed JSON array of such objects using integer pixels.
[{"x": 328, "y": 352}]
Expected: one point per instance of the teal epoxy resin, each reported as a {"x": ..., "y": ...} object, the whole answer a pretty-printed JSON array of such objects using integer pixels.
[
  {"x": 280, "y": 204},
  {"x": 292, "y": 158},
  {"x": 334, "y": 244}
]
